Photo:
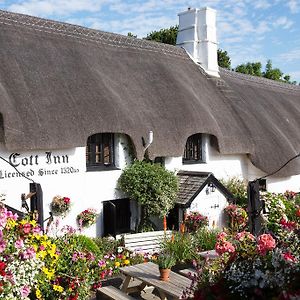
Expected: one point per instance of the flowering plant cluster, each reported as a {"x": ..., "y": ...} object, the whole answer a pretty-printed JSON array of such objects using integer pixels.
[
  {"x": 249, "y": 267},
  {"x": 281, "y": 208},
  {"x": 87, "y": 217},
  {"x": 194, "y": 221},
  {"x": 237, "y": 217},
  {"x": 25, "y": 254},
  {"x": 60, "y": 206}
]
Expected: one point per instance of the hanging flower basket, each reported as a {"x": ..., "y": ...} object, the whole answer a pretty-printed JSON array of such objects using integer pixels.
[
  {"x": 60, "y": 206},
  {"x": 87, "y": 217}
]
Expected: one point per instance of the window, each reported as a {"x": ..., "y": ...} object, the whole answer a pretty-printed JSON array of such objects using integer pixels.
[
  {"x": 100, "y": 151},
  {"x": 193, "y": 149}
]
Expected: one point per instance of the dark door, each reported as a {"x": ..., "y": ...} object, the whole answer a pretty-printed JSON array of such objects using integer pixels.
[
  {"x": 173, "y": 219},
  {"x": 109, "y": 218},
  {"x": 116, "y": 216}
]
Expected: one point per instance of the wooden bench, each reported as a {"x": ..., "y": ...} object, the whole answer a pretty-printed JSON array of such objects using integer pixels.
[
  {"x": 189, "y": 272},
  {"x": 148, "y": 242},
  {"x": 112, "y": 292}
]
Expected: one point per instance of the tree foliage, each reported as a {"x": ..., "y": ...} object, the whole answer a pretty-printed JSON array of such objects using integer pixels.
[
  {"x": 166, "y": 36},
  {"x": 154, "y": 187},
  {"x": 255, "y": 69},
  {"x": 224, "y": 60}
]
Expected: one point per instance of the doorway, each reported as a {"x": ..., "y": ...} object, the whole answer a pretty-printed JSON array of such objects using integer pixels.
[{"x": 116, "y": 217}]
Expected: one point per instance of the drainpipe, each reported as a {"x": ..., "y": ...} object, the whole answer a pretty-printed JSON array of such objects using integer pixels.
[{"x": 150, "y": 140}]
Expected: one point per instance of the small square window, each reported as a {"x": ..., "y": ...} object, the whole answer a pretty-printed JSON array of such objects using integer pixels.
[
  {"x": 100, "y": 151},
  {"x": 193, "y": 149}
]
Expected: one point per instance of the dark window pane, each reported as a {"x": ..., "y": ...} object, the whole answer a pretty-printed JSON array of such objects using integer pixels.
[
  {"x": 193, "y": 149},
  {"x": 99, "y": 150}
]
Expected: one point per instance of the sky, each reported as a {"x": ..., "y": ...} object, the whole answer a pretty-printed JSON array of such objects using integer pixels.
[{"x": 249, "y": 30}]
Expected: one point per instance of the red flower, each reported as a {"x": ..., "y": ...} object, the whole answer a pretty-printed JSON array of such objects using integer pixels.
[
  {"x": 289, "y": 257},
  {"x": 73, "y": 297},
  {"x": 2, "y": 268},
  {"x": 298, "y": 212},
  {"x": 67, "y": 200}
]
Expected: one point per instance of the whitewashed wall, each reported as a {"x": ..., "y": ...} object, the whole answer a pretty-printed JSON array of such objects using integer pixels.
[
  {"x": 237, "y": 165},
  {"x": 211, "y": 205},
  {"x": 89, "y": 189},
  {"x": 67, "y": 178}
]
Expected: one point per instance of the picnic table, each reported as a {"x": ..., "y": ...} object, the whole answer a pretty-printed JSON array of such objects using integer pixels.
[{"x": 148, "y": 274}]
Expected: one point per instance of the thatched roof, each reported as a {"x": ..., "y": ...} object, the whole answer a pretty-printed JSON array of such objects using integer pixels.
[
  {"x": 192, "y": 183},
  {"x": 60, "y": 83}
]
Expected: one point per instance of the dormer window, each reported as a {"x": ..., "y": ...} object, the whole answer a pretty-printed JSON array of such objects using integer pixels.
[
  {"x": 100, "y": 151},
  {"x": 193, "y": 150}
]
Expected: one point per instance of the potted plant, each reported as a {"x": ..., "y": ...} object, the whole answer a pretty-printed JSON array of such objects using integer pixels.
[
  {"x": 60, "y": 206},
  {"x": 165, "y": 262},
  {"x": 87, "y": 217}
]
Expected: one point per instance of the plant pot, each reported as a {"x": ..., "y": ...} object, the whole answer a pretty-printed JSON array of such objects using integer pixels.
[{"x": 164, "y": 274}]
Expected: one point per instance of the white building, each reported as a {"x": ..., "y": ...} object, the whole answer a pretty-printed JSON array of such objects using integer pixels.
[{"x": 76, "y": 105}]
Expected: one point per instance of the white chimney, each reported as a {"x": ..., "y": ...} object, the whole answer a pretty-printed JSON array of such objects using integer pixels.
[{"x": 197, "y": 35}]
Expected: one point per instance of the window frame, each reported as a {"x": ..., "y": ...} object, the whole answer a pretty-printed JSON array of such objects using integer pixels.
[
  {"x": 189, "y": 154},
  {"x": 96, "y": 146}
]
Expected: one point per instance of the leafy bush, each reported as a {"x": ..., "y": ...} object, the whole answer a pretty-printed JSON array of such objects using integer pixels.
[
  {"x": 107, "y": 245},
  {"x": 205, "y": 239},
  {"x": 238, "y": 188},
  {"x": 154, "y": 187}
]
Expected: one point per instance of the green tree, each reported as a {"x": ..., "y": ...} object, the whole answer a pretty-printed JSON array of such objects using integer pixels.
[
  {"x": 224, "y": 60},
  {"x": 166, "y": 36},
  {"x": 274, "y": 74},
  {"x": 154, "y": 187},
  {"x": 250, "y": 68}
]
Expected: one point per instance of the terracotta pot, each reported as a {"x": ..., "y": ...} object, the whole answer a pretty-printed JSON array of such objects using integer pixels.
[{"x": 164, "y": 274}]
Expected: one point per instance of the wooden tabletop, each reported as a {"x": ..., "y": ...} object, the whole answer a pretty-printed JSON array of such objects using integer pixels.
[{"x": 149, "y": 274}]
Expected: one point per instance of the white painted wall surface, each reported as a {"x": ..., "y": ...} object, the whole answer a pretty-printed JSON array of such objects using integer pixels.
[
  {"x": 235, "y": 165},
  {"x": 69, "y": 179},
  {"x": 90, "y": 189},
  {"x": 211, "y": 205}
]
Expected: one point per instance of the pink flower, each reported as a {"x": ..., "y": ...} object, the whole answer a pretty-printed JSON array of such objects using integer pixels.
[
  {"x": 222, "y": 235},
  {"x": 2, "y": 245},
  {"x": 223, "y": 246},
  {"x": 265, "y": 243},
  {"x": 37, "y": 230},
  {"x": 19, "y": 243},
  {"x": 25, "y": 290},
  {"x": 26, "y": 228},
  {"x": 28, "y": 253}
]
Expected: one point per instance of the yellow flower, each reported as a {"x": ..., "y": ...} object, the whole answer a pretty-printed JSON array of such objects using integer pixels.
[
  {"x": 117, "y": 264},
  {"x": 38, "y": 294},
  {"x": 58, "y": 288},
  {"x": 126, "y": 262},
  {"x": 33, "y": 222},
  {"x": 49, "y": 273},
  {"x": 124, "y": 257},
  {"x": 41, "y": 254},
  {"x": 11, "y": 223}
]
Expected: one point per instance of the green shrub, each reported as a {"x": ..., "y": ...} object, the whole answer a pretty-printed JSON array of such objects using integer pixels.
[
  {"x": 154, "y": 187},
  {"x": 107, "y": 245},
  {"x": 238, "y": 188},
  {"x": 205, "y": 239},
  {"x": 85, "y": 243}
]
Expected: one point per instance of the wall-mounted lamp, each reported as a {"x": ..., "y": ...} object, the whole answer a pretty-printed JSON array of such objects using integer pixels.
[{"x": 210, "y": 188}]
